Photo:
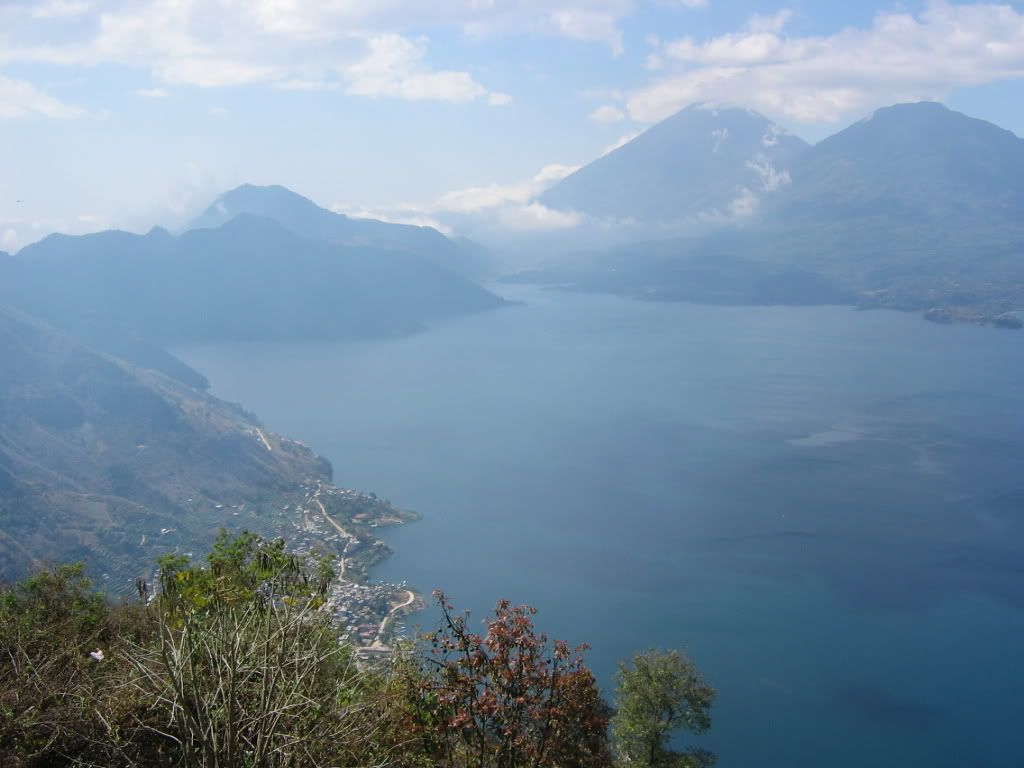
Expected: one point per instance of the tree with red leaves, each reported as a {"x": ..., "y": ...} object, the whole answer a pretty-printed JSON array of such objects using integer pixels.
[{"x": 505, "y": 699}]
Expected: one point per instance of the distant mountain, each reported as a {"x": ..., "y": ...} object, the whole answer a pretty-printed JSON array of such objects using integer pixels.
[
  {"x": 730, "y": 266},
  {"x": 112, "y": 464},
  {"x": 304, "y": 217},
  {"x": 701, "y": 162},
  {"x": 919, "y": 162},
  {"x": 916, "y": 207},
  {"x": 249, "y": 280}
]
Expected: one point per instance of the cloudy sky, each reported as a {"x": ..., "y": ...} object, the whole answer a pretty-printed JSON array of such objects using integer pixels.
[{"x": 128, "y": 113}]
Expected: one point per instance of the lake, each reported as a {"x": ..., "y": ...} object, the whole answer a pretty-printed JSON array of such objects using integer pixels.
[{"x": 824, "y": 507}]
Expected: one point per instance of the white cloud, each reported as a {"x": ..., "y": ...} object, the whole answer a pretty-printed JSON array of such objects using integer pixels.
[
  {"x": 60, "y": 9},
  {"x": 745, "y": 204},
  {"x": 603, "y": 94},
  {"x": 21, "y": 99},
  {"x": 534, "y": 217},
  {"x": 588, "y": 24},
  {"x": 188, "y": 192},
  {"x": 298, "y": 84},
  {"x": 773, "y": 23},
  {"x": 476, "y": 199},
  {"x": 394, "y": 67},
  {"x": 720, "y": 135},
  {"x": 770, "y": 178},
  {"x": 214, "y": 72},
  {"x": 363, "y": 47},
  {"x": 607, "y": 114},
  {"x": 152, "y": 93},
  {"x": 900, "y": 57},
  {"x": 620, "y": 142},
  {"x": 17, "y": 232},
  {"x": 595, "y": 21},
  {"x": 408, "y": 214},
  {"x": 512, "y": 206},
  {"x": 551, "y": 174}
]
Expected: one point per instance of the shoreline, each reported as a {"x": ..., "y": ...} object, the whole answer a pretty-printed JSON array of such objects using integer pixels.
[
  {"x": 940, "y": 314},
  {"x": 340, "y": 522}
]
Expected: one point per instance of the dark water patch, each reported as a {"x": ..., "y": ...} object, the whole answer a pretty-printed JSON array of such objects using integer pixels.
[
  {"x": 1006, "y": 506},
  {"x": 878, "y": 706}
]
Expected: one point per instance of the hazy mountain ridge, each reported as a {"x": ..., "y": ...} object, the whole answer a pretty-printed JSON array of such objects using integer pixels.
[
  {"x": 115, "y": 462},
  {"x": 701, "y": 162},
  {"x": 110, "y": 463},
  {"x": 307, "y": 219},
  {"x": 250, "y": 279},
  {"x": 921, "y": 161},
  {"x": 916, "y": 207}
]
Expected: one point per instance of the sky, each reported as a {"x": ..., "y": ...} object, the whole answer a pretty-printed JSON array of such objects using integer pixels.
[{"x": 128, "y": 114}]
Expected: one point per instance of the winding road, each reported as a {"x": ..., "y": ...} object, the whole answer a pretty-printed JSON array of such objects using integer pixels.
[
  {"x": 392, "y": 614},
  {"x": 377, "y": 644}
]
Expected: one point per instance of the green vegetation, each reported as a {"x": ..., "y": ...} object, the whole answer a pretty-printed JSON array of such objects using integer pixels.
[
  {"x": 232, "y": 663},
  {"x": 657, "y": 694}
]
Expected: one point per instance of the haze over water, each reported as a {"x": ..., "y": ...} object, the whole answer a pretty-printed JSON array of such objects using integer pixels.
[{"x": 823, "y": 506}]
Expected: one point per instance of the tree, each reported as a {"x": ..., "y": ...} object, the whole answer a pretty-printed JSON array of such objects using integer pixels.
[
  {"x": 48, "y": 624},
  {"x": 660, "y": 692},
  {"x": 234, "y": 663},
  {"x": 507, "y": 699},
  {"x": 246, "y": 667}
]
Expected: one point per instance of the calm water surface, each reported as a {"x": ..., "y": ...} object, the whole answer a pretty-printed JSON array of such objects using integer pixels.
[{"x": 824, "y": 507}]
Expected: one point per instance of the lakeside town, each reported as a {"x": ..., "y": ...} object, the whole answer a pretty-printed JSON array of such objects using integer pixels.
[{"x": 324, "y": 519}]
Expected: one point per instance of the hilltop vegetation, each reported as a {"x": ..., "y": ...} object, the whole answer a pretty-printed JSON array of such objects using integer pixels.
[{"x": 233, "y": 664}]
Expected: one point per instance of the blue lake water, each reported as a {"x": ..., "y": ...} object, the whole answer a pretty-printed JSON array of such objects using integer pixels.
[{"x": 824, "y": 507}]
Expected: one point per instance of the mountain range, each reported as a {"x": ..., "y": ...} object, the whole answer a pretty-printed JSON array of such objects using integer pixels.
[
  {"x": 305, "y": 218},
  {"x": 917, "y": 160},
  {"x": 249, "y": 279},
  {"x": 110, "y": 450},
  {"x": 915, "y": 207},
  {"x": 911, "y": 161}
]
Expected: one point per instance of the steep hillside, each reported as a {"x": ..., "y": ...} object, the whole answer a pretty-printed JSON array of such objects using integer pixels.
[
  {"x": 701, "y": 162},
  {"x": 112, "y": 464}
]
